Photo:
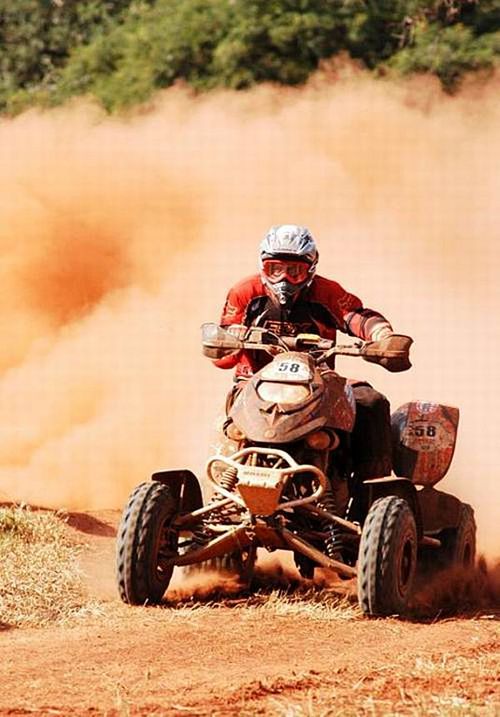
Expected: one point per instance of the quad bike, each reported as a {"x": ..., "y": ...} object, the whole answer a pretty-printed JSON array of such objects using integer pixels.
[{"x": 288, "y": 485}]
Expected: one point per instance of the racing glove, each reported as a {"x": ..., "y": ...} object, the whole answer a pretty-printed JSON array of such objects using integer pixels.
[{"x": 392, "y": 352}]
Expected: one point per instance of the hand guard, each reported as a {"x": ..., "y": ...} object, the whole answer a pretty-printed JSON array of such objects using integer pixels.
[
  {"x": 218, "y": 352},
  {"x": 391, "y": 352},
  {"x": 220, "y": 342}
]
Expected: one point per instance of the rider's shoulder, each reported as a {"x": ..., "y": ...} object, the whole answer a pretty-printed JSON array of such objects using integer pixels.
[
  {"x": 249, "y": 287},
  {"x": 323, "y": 289}
]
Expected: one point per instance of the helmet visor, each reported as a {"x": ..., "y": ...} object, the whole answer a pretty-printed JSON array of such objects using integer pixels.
[{"x": 296, "y": 272}]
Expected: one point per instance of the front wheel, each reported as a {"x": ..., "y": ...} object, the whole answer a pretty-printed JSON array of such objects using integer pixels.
[
  {"x": 387, "y": 557},
  {"x": 145, "y": 542}
]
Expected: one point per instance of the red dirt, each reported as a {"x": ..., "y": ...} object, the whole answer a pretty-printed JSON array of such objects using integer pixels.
[{"x": 224, "y": 659}]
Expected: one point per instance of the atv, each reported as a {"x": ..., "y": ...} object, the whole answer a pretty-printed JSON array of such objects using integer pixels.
[{"x": 286, "y": 484}]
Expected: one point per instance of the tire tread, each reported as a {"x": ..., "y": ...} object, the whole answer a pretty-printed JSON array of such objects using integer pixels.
[
  {"x": 136, "y": 534},
  {"x": 385, "y": 520}
]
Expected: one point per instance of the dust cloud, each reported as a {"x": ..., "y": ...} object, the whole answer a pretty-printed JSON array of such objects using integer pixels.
[
  {"x": 459, "y": 591},
  {"x": 120, "y": 236}
]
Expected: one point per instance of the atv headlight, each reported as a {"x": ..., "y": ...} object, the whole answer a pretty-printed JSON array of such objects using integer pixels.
[
  {"x": 321, "y": 440},
  {"x": 234, "y": 433},
  {"x": 282, "y": 392}
]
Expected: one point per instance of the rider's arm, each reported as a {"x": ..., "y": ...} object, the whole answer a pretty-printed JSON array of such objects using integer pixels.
[
  {"x": 367, "y": 324},
  {"x": 390, "y": 350},
  {"x": 235, "y": 311},
  {"x": 232, "y": 313},
  {"x": 352, "y": 317}
]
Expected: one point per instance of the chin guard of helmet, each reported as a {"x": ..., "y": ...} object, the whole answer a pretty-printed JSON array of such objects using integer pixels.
[{"x": 284, "y": 292}]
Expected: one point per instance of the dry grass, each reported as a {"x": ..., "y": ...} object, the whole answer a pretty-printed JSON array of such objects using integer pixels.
[
  {"x": 40, "y": 582},
  {"x": 439, "y": 685},
  {"x": 311, "y": 604},
  {"x": 275, "y": 590}
]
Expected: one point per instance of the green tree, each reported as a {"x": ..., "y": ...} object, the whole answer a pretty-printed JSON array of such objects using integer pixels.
[
  {"x": 208, "y": 44},
  {"x": 121, "y": 51},
  {"x": 276, "y": 40},
  {"x": 37, "y": 37},
  {"x": 153, "y": 47},
  {"x": 447, "y": 52}
]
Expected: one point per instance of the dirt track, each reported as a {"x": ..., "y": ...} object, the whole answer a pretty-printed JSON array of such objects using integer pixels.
[{"x": 232, "y": 658}]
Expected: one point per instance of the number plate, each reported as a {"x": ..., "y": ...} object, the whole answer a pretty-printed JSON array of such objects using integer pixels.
[
  {"x": 287, "y": 369},
  {"x": 425, "y": 437},
  {"x": 428, "y": 429}
]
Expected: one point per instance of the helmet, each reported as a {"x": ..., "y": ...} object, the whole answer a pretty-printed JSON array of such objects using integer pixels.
[{"x": 294, "y": 248}]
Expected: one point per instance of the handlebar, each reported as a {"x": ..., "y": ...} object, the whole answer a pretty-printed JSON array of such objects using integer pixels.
[
  {"x": 305, "y": 342},
  {"x": 391, "y": 352},
  {"x": 253, "y": 338}
]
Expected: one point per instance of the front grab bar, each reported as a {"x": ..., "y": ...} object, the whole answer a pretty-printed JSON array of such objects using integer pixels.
[{"x": 236, "y": 461}]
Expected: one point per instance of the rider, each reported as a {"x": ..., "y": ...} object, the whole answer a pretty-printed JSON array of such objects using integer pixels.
[{"x": 288, "y": 298}]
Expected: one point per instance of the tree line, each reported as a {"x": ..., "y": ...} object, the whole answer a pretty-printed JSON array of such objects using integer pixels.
[{"x": 121, "y": 51}]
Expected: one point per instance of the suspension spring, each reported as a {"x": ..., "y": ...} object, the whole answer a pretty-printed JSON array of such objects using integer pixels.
[
  {"x": 333, "y": 541},
  {"x": 229, "y": 478}
]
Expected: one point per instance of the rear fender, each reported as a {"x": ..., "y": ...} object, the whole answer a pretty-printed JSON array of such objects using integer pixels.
[
  {"x": 376, "y": 488},
  {"x": 440, "y": 511},
  {"x": 185, "y": 487},
  {"x": 424, "y": 435}
]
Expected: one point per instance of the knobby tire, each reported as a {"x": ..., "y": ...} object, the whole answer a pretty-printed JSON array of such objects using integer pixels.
[
  {"x": 150, "y": 509},
  {"x": 387, "y": 557}
]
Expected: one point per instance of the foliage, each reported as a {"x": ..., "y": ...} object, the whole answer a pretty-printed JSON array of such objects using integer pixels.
[
  {"x": 152, "y": 48},
  {"x": 37, "y": 36},
  {"x": 448, "y": 52},
  {"x": 208, "y": 44},
  {"x": 276, "y": 40},
  {"x": 121, "y": 51}
]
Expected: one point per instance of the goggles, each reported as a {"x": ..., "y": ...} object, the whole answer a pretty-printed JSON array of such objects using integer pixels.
[{"x": 296, "y": 272}]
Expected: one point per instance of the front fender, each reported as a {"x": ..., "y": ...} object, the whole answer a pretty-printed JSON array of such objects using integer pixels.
[{"x": 184, "y": 485}]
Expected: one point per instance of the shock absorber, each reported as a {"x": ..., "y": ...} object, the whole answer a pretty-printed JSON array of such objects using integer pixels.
[
  {"x": 333, "y": 541},
  {"x": 228, "y": 478}
]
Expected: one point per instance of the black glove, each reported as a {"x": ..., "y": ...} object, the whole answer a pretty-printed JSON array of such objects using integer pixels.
[{"x": 391, "y": 352}]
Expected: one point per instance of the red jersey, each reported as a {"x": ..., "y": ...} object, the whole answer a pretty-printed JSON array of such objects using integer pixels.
[{"x": 322, "y": 309}]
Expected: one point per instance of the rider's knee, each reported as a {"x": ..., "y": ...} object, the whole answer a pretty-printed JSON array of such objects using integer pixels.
[{"x": 366, "y": 396}]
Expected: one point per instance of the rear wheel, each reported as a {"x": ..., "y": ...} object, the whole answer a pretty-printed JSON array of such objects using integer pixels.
[
  {"x": 460, "y": 543},
  {"x": 145, "y": 542},
  {"x": 387, "y": 557}
]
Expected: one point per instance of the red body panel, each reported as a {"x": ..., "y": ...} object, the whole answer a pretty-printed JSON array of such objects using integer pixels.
[
  {"x": 330, "y": 404},
  {"x": 424, "y": 437}
]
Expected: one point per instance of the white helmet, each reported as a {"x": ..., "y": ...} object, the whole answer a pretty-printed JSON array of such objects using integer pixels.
[{"x": 293, "y": 243}]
